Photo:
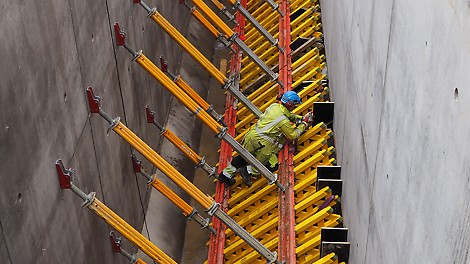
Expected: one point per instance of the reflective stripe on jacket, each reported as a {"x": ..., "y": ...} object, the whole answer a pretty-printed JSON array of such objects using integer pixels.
[{"x": 274, "y": 126}]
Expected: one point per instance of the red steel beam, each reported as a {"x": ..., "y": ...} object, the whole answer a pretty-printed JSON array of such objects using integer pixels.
[
  {"x": 286, "y": 244},
  {"x": 222, "y": 192}
]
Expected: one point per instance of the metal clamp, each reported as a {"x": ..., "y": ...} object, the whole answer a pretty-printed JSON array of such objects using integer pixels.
[
  {"x": 191, "y": 215},
  {"x": 228, "y": 83},
  {"x": 115, "y": 242},
  {"x": 201, "y": 163},
  {"x": 113, "y": 124},
  {"x": 89, "y": 199},
  {"x": 94, "y": 102},
  {"x": 214, "y": 207},
  {"x": 222, "y": 133},
  {"x": 274, "y": 179},
  {"x": 65, "y": 175}
]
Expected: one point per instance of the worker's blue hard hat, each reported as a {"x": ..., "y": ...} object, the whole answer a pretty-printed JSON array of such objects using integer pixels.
[{"x": 291, "y": 97}]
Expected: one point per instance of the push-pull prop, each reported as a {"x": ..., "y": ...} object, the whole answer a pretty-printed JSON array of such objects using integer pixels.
[
  {"x": 228, "y": 84},
  {"x": 229, "y": 36},
  {"x": 110, "y": 217},
  {"x": 192, "y": 106},
  {"x": 190, "y": 153},
  {"x": 116, "y": 247},
  {"x": 190, "y": 91},
  {"x": 188, "y": 211},
  {"x": 210, "y": 206}
]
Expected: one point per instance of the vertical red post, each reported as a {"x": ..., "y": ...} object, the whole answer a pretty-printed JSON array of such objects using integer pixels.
[
  {"x": 286, "y": 246},
  {"x": 222, "y": 193}
]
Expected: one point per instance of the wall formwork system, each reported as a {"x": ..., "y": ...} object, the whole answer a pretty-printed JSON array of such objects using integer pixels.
[{"x": 287, "y": 222}]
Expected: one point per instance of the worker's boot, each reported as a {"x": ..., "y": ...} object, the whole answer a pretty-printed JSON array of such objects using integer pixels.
[
  {"x": 226, "y": 178},
  {"x": 246, "y": 176}
]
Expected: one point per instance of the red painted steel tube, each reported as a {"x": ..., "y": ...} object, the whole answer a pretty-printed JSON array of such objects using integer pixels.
[
  {"x": 222, "y": 194},
  {"x": 286, "y": 244}
]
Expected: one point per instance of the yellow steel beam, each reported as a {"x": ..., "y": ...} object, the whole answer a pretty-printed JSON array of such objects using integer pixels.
[
  {"x": 129, "y": 232},
  {"x": 163, "y": 165},
  {"x": 312, "y": 199},
  {"x": 328, "y": 259},
  {"x": 148, "y": 65},
  {"x": 172, "y": 196},
  {"x": 255, "y": 214},
  {"x": 186, "y": 45},
  {"x": 190, "y": 153},
  {"x": 253, "y": 256},
  {"x": 311, "y": 148},
  {"x": 251, "y": 198},
  {"x": 214, "y": 18},
  {"x": 309, "y": 162},
  {"x": 205, "y": 22},
  {"x": 238, "y": 244}
]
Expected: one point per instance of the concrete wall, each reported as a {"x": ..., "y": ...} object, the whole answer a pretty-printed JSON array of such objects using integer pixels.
[
  {"x": 50, "y": 52},
  {"x": 399, "y": 78}
]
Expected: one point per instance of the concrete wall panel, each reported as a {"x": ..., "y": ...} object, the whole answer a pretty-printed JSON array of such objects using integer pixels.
[
  {"x": 397, "y": 76},
  {"x": 51, "y": 51}
]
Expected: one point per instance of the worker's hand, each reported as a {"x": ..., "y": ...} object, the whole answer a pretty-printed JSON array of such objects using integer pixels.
[{"x": 308, "y": 119}]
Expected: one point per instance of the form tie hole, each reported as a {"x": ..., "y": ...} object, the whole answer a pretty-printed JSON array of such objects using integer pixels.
[{"x": 456, "y": 94}]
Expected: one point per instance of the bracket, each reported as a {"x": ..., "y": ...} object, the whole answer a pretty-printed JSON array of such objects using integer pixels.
[
  {"x": 120, "y": 34},
  {"x": 94, "y": 102},
  {"x": 213, "y": 208},
  {"x": 65, "y": 175},
  {"x": 137, "y": 164},
  {"x": 136, "y": 1},
  {"x": 150, "y": 115},
  {"x": 164, "y": 64},
  {"x": 115, "y": 242}
]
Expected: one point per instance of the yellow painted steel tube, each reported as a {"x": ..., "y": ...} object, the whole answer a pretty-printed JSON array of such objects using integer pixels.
[
  {"x": 172, "y": 196},
  {"x": 165, "y": 167},
  {"x": 185, "y": 44},
  {"x": 181, "y": 146},
  {"x": 129, "y": 232},
  {"x": 140, "y": 261},
  {"x": 214, "y": 18},
  {"x": 218, "y": 4},
  {"x": 205, "y": 22},
  {"x": 148, "y": 65},
  {"x": 190, "y": 91}
]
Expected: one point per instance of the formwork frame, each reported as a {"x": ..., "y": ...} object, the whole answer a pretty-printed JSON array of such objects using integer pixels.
[
  {"x": 286, "y": 229},
  {"x": 222, "y": 192}
]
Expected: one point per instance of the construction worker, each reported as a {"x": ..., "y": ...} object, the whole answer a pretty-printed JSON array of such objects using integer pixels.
[{"x": 266, "y": 138}]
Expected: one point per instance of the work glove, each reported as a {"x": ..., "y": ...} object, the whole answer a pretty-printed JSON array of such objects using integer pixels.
[{"x": 308, "y": 119}]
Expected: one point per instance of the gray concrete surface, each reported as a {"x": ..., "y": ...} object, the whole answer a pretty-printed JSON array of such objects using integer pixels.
[
  {"x": 50, "y": 51},
  {"x": 399, "y": 77}
]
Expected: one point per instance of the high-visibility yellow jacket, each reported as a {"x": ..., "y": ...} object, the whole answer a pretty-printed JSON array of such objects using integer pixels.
[{"x": 269, "y": 134}]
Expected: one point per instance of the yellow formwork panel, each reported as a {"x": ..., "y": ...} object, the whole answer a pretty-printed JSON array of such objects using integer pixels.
[
  {"x": 261, "y": 96},
  {"x": 254, "y": 6},
  {"x": 309, "y": 241},
  {"x": 312, "y": 62},
  {"x": 254, "y": 256},
  {"x": 264, "y": 50},
  {"x": 255, "y": 214},
  {"x": 249, "y": 252},
  {"x": 255, "y": 208},
  {"x": 252, "y": 198},
  {"x": 269, "y": 20},
  {"x": 328, "y": 259},
  {"x": 237, "y": 245}
]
